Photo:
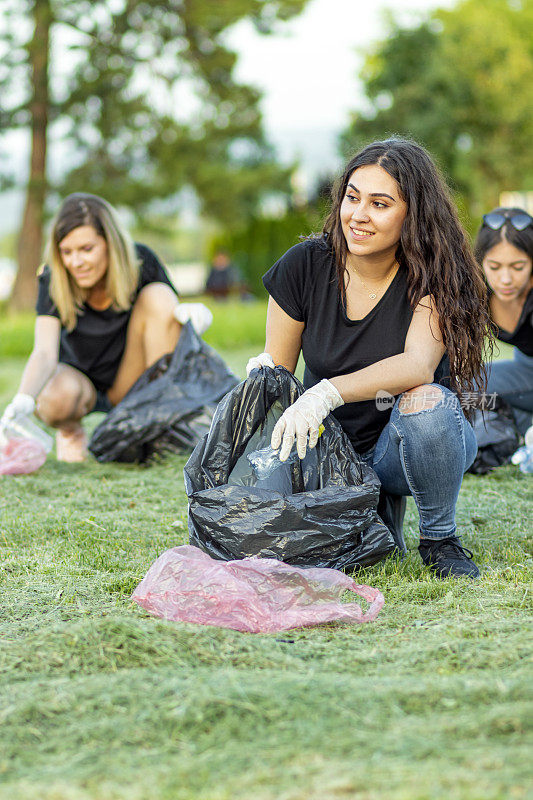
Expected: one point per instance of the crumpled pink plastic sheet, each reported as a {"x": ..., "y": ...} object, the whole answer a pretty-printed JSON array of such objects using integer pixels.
[
  {"x": 21, "y": 456},
  {"x": 257, "y": 595}
]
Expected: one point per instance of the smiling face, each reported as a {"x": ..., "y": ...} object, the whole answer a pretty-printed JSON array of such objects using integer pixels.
[
  {"x": 372, "y": 213},
  {"x": 508, "y": 271},
  {"x": 84, "y": 255}
]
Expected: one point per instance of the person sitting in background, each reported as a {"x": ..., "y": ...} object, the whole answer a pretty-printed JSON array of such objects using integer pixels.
[
  {"x": 106, "y": 311},
  {"x": 504, "y": 249},
  {"x": 386, "y": 305},
  {"x": 224, "y": 277}
]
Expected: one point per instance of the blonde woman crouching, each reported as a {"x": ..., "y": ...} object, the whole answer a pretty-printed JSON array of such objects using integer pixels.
[{"x": 106, "y": 310}]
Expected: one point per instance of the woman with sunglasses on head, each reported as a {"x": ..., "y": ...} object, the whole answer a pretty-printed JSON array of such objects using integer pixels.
[
  {"x": 504, "y": 248},
  {"x": 384, "y": 305},
  {"x": 106, "y": 310}
]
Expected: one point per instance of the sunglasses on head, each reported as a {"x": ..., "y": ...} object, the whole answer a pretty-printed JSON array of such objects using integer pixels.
[{"x": 495, "y": 220}]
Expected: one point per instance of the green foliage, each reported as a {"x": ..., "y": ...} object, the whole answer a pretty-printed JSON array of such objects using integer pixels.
[
  {"x": 258, "y": 244},
  {"x": 173, "y": 243},
  {"x": 145, "y": 94},
  {"x": 16, "y": 335},
  {"x": 8, "y": 246},
  {"x": 461, "y": 83}
]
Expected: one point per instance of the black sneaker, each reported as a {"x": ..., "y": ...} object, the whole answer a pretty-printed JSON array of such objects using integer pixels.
[{"x": 448, "y": 558}]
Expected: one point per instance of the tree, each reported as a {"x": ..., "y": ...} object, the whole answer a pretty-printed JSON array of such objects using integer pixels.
[
  {"x": 112, "y": 78},
  {"x": 460, "y": 83}
]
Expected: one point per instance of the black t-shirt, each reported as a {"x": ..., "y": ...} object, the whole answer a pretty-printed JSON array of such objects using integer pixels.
[
  {"x": 522, "y": 336},
  {"x": 304, "y": 283},
  {"x": 95, "y": 346}
]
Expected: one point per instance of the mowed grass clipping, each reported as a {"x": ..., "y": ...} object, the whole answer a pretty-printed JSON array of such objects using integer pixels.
[{"x": 100, "y": 701}]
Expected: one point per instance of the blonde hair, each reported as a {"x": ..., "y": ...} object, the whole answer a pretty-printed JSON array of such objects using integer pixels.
[{"x": 122, "y": 275}]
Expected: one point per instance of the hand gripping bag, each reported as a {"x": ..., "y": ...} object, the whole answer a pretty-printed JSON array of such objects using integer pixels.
[
  {"x": 169, "y": 408},
  {"x": 320, "y": 512}
]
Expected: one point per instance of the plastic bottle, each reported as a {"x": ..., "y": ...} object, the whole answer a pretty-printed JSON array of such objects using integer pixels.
[
  {"x": 524, "y": 458},
  {"x": 265, "y": 461},
  {"x": 25, "y": 429},
  {"x": 524, "y": 455}
]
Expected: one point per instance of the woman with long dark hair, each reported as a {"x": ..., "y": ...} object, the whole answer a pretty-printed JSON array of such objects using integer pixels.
[
  {"x": 504, "y": 249},
  {"x": 106, "y": 311},
  {"x": 388, "y": 306}
]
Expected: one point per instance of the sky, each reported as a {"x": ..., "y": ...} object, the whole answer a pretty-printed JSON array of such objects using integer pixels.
[{"x": 308, "y": 71}]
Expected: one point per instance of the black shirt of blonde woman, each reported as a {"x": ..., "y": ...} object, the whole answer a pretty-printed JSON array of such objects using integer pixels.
[{"x": 96, "y": 344}]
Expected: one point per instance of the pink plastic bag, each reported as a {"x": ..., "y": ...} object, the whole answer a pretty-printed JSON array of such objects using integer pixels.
[
  {"x": 258, "y": 595},
  {"x": 21, "y": 456}
]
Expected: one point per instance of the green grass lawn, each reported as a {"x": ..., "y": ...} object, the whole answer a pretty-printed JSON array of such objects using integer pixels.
[{"x": 99, "y": 701}]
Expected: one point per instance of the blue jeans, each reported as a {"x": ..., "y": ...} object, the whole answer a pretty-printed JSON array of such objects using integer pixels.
[
  {"x": 513, "y": 381},
  {"x": 425, "y": 453}
]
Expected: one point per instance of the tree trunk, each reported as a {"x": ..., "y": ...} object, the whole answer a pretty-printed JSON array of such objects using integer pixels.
[{"x": 31, "y": 234}]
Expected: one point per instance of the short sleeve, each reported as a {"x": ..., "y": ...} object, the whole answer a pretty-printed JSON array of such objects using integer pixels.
[
  {"x": 152, "y": 270},
  {"x": 45, "y": 306},
  {"x": 286, "y": 281}
]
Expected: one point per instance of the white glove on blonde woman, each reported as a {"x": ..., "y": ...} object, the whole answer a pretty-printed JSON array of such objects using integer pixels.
[
  {"x": 200, "y": 316},
  {"x": 22, "y": 405},
  {"x": 262, "y": 360},
  {"x": 303, "y": 418}
]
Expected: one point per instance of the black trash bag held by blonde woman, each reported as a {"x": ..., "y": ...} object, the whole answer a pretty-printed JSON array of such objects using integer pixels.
[
  {"x": 169, "y": 408},
  {"x": 320, "y": 512}
]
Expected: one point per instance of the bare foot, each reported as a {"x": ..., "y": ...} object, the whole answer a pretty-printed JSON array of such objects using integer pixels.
[{"x": 71, "y": 445}]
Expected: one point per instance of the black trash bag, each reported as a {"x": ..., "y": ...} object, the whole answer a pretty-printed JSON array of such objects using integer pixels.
[
  {"x": 169, "y": 408},
  {"x": 320, "y": 512},
  {"x": 497, "y": 437},
  {"x": 391, "y": 510}
]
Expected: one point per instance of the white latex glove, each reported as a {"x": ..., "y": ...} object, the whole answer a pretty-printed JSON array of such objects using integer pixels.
[
  {"x": 303, "y": 418},
  {"x": 200, "y": 316},
  {"x": 21, "y": 406},
  {"x": 262, "y": 360}
]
